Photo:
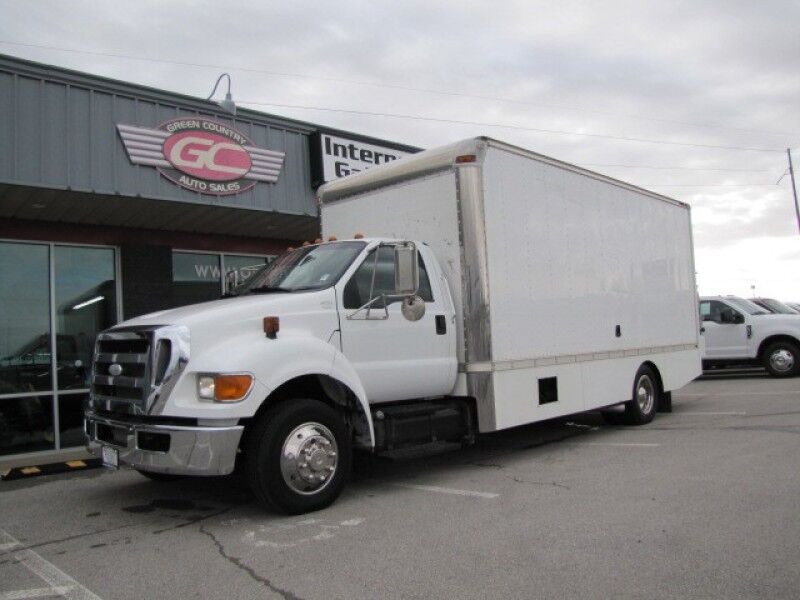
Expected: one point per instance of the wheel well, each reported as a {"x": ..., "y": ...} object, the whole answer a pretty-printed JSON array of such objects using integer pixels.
[
  {"x": 328, "y": 390},
  {"x": 776, "y": 338},
  {"x": 653, "y": 366}
]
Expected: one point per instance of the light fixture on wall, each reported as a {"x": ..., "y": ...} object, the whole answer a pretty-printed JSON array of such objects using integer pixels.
[
  {"x": 227, "y": 104},
  {"x": 88, "y": 302}
]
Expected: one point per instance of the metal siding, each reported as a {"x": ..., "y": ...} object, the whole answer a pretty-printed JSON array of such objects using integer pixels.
[
  {"x": 53, "y": 167},
  {"x": 7, "y": 125},
  {"x": 128, "y": 178},
  {"x": 26, "y": 150},
  {"x": 63, "y": 136},
  {"x": 79, "y": 144}
]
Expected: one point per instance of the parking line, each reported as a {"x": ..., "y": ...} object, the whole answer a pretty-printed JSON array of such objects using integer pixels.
[
  {"x": 785, "y": 393},
  {"x": 622, "y": 444},
  {"x": 442, "y": 490},
  {"x": 60, "y": 583},
  {"x": 693, "y": 413},
  {"x": 47, "y": 592}
]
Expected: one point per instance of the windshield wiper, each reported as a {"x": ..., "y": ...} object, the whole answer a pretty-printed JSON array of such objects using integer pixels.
[
  {"x": 264, "y": 289},
  {"x": 267, "y": 290}
]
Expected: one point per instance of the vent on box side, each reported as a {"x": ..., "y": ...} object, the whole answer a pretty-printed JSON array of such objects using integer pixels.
[{"x": 548, "y": 390}]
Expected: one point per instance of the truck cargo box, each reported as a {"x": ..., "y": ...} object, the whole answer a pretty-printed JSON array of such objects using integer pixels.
[{"x": 564, "y": 281}]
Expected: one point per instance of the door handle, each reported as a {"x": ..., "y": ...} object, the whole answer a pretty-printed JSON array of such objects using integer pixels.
[{"x": 441, "y": 325}]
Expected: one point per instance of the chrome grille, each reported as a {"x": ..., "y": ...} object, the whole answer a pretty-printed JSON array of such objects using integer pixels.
[{"x": 135, "y": 368}]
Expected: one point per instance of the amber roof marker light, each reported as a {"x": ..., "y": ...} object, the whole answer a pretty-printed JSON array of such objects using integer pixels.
[{"x": 466, "y": 158}]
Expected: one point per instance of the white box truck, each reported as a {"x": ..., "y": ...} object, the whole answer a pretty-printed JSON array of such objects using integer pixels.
[{"x": 492, "y": 287}]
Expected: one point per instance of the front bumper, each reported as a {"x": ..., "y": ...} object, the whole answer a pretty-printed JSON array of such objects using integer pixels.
[{"x": 175, "y": 449}]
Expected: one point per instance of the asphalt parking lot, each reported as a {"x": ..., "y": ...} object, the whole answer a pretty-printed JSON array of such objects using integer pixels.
[{"x": 702, "y": 503}]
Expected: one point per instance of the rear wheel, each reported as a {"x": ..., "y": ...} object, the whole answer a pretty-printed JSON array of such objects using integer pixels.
[
  {"x": 642, "y": 407},
  {"x": 298, "y": 456},
  {"x": 782, "y": 359}
]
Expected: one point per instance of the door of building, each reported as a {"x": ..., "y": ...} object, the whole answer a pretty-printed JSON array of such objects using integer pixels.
[{"x": 55, "y": 298}]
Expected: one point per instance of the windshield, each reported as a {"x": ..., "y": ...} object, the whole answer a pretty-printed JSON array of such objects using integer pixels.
[
  {"x": 751, "y": 308},
  {"x": 307, "y": 268},
  {"x": 777, "y": 306}
]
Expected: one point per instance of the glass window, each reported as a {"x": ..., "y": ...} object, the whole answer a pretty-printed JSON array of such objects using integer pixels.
[
  {"x": 777, "y": 306},
  {"x": 70, "y": 418},
  {"x": 86, "y": 304},
  {"x": 713, "y": 310},
  {"x": 307, "y": 268},
  {"x": 26, "y": 424},
  {"x": 705, "y": 310},
  {"x": 357, "y": 291},
  {"x": 751, "y": 308},
  {"x": 195, "y": 278},
  {"x": 244, "y": 266},
  {"x": 24, "y": 318}
]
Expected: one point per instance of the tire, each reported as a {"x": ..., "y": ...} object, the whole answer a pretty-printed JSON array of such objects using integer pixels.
[
  {"x": 643, "y": 405},
  {"x": 782, "y": 359},
  {"x": 153, "y": 476},
  {"x": 298, "y": 456}
]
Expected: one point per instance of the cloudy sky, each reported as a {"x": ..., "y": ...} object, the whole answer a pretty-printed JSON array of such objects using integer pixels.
[{"x": 713, "y": 88}]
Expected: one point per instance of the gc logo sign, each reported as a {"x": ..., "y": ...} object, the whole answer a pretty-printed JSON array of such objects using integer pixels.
[
  {"x": 207, "y": 155},
  {"x": 202, "y": 155}
]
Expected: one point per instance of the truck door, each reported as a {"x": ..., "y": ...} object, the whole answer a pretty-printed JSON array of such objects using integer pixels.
[
  {"x": 397, "y": 359},
  {"x": 725, "y": 330}
]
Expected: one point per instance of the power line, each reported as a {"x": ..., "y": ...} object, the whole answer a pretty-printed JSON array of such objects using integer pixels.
[
  {"x": 707, "y": 185},
  {"x": 677, "y": 168},
  {"x": 507, "y": 126},
  {"x": 394, "y": 86}
]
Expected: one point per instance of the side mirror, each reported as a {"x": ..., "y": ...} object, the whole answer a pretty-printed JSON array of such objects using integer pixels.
[
  {"x": 231, "y": 281},
  {"x": 406, "y": 269},
  {"x": 738, "y": 319}
]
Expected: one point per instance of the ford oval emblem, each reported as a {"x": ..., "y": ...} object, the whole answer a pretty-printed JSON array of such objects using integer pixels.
[{"x": 115, "y": 370}]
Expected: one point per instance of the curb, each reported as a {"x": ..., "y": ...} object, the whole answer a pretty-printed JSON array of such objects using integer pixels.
[{"x": 49, "y": 469}]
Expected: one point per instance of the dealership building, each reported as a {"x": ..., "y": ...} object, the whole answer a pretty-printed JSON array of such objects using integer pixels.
[{"x": 118, "y": 200}]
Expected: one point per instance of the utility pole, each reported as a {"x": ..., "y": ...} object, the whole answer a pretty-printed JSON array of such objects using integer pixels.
[{"x": 794, "y": 187}]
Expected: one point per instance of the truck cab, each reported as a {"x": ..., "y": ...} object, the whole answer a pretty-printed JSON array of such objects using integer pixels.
[
  {"x": 738, "y": 332},
  {"x": 350, "y": 320}
]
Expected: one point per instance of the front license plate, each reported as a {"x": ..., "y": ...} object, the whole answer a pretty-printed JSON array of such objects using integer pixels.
[{"x": 110, "y": 457}]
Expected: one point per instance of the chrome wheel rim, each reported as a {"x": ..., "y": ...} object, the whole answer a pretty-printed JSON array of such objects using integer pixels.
[
  {"x": 309, "y": 458},
  {"x": 645, "y": 394},
  {"x": 782, "y": 360}
]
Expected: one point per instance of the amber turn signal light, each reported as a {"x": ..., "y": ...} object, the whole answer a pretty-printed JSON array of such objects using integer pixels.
[
  {"x": 231, "y": 388},
  {"x": 272, "y": 326}
]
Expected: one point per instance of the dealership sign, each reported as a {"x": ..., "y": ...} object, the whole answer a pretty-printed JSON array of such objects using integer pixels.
[
  {"x": 338, "y": 156},
  {"x": 202, "y": 155}
]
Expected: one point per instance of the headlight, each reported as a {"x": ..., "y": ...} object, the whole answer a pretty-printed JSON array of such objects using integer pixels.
[{"x": 224, "y": 387}]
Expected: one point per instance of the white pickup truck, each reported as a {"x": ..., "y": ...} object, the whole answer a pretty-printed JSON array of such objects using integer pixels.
[
  {"x": 738, "y": 332},
  {"x": 498, "y": 287}
]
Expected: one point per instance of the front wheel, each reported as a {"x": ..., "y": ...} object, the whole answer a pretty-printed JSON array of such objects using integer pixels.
[
  {"x": 782, "y": 359},
  {"x": 298, "y": 456},
  {"x": 641, "y": 409}
]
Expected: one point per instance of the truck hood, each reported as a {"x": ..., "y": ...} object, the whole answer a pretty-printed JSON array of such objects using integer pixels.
[
  {"x": 777, "y": 320},
  {"x": 231, "y": 314}
]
